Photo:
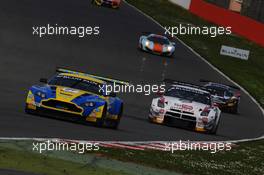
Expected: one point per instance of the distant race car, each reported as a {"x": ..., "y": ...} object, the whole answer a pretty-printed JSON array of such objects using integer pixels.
[
  {"x": 157, "y": 44},
  {"x": 110, "y": 3},
  {"x": 186, "y": 105},
  {"x": 227, "y": 97},
  {"x": 76, "y": 95}
]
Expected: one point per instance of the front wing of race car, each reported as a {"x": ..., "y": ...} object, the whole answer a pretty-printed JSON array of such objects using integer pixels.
[{"x": 48, "y": 104}]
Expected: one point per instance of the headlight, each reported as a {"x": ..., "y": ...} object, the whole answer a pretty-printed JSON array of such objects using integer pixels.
[
  {"x": 205, "y": 112},
  {"x": 89, "y": 104},
  {"x": 41, "y": 94},
  {"x": 205, "y": 120},
  {"x": 161, "y": 103},
  {"x": 147, "y": 43},
  {"x": 169, "y": 48},
  {"x": 232, "y": 100}
]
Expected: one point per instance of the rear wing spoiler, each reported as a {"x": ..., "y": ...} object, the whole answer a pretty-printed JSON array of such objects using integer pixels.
[
  {"x": 162, "y": 34},
  {"x": 231, "y": 86},
  {"x": 146, "y": 33},
  {"x": 108, "y": 80},
  {"x": 176, "y": 82}
]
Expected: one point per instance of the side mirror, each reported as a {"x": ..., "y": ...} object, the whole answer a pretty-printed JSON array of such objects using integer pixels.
[
  {"x": 112, "y": 94},
  {"x": 159, "y": 93},
  {"x": 215, "y": 104},
  {"x": 43, "y": 80}
]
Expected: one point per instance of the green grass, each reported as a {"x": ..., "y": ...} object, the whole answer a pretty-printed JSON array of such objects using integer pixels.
[
  {"x": 246, "y": 159},
  {"x": 249, "y": 74},
  {"x": 40, "y": 164}
]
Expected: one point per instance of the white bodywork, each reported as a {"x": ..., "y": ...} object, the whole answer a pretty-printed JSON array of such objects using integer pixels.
[{"x": 185, "y": 110}]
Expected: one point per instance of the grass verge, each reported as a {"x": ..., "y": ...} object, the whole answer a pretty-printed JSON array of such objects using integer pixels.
[
  {"x": 247, "y": 159},
  {"x": 248, "y": 74},
  {"x": 27, "y": 161}
]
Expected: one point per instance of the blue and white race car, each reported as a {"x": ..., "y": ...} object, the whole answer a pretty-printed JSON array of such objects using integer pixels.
[
  {"x": 157, "y": 44},
  {"x": 76, "y": 95}
]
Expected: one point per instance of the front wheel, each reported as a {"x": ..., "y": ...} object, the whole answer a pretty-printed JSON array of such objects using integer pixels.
[
  {"x": 113, "y": 124},
  {"x": 234, "y": 110},
  {"x": 29, "y": 111},
  {"x": 101, "y": 121},
  {"x": 214, "y": 128},
  {"x": 140, "y": 46}
]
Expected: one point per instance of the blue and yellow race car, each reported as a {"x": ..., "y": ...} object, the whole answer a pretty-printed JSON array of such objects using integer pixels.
[{"x": 77, "y": 95}]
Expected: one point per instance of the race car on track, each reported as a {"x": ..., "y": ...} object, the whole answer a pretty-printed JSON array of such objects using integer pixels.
[
  {"x": 185, "y": 105},
  {"x": 226, "y": 96},
  {"x": 76, "y": 95},
  {"x": 157, "y": 44},
  {"x": 110, "y": 3}
]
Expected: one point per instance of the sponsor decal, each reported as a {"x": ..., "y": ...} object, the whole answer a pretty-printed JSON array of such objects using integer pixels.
[
  {"x": 70, "y": 90},
  {"x": 235, "y": 52},
  {"x": 183, "y": 107}
]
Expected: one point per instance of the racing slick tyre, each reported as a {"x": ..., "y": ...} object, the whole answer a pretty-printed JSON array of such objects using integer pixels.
[
  {"x": 171, "y": 55},
  {"x": 214, "y": 128},
  {"x": 101, "y": 121},
  {"x": 149, "y": 120},
  {"x": 113, "y": 124},
  {"x": 93, "y": 2},
  {"x": 29, "y": 111},
  {"x": 234, "y": 110},
  {"x": 140, "y": 47}
]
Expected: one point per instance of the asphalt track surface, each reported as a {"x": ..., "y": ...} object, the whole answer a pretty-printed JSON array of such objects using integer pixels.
[{"x": 25, "y": 58}]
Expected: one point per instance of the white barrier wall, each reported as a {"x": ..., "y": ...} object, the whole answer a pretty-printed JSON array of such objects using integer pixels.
[{"x": 183, "y": 3}]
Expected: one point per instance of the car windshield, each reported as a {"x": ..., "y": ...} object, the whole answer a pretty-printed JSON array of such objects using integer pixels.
[
  {"x": 159, "y": 40},
  {"x": 189, "y": 94},
  {"x": 76, "y": 83}
]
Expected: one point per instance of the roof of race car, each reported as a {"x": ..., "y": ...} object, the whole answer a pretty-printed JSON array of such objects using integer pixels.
[
  {"x": 114, "y": 0},
  {"x": 158, "y": 36},
  {"x": 193, "y": 89},
  {"x": 83, "y": 77},
  {"x": 218, "y": 85}
]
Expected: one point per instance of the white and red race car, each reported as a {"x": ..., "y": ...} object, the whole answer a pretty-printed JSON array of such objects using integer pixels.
[
  {"x": 186, "y": 105},
  {"x": 110, "y": 3}
]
